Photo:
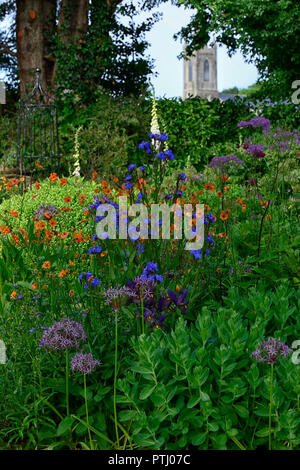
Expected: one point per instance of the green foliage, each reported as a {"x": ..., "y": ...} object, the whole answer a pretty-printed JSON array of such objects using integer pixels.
[
  {"x": 266, "y": 31},
  {"x": 198, "y": 387}
]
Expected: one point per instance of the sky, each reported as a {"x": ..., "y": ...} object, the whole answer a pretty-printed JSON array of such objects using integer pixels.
[{"x": 164, "y": 50}]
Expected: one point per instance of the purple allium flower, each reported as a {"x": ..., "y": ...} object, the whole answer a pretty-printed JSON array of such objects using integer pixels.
[
  {"x": 40, "y": 212},
  {"x": 270, "y": 351},
  {"x": 64, "y": 334},
  {"x": 116, "y": 296},
  {"x": 143, "y": 287},
  {"x": 83, "y": 363},
  {"x": 219, "y": 163},
  {"x": 257, "y": 150},
  {"x": 256, "y": 122}
]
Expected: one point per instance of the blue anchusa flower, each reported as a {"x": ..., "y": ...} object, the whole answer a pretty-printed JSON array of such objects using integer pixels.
[
  {"x": 161, "y": 137},
  {"x": 181, "y": 177},
  {"x": 95, "y": 249},
  {"x": 89, "y": 277},
  {"x": 146, "y": 146},
  {"x": 131, "y": 167}
]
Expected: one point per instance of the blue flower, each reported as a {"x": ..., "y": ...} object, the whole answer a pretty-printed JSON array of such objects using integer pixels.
[
  {"x": 131, "y": 167},
  {"x": 146, "y": 146},
  {"x": 128, "y": 185}
]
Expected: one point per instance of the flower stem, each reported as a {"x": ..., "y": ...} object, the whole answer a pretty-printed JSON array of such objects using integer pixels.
[
  {"x": 143, "y": 320},
  {"x": 115, "y": 376},
  {"x": 270, "y": 408},
  {"x": 87, "y": 411},
  {"x": 67, "y": 382}
]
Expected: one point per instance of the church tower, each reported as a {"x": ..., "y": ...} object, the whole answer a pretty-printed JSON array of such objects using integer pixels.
[{"x": 200, "y": 74}]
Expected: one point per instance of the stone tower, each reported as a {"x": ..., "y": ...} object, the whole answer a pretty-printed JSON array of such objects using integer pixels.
[{"x": 200, "y": 74}]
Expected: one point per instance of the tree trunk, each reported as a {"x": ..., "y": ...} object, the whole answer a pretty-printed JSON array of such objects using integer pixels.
[
  {"x": 29, "y": 29},
  {"x": 73, "y": 20}
]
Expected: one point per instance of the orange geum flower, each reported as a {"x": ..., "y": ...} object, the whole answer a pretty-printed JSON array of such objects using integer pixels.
[
  {"x": 224, "y": 216},
  {"x": 116, "y": 179},
  {"x": 104, "y": 184},
  {"x": 13, "y": 213},
  {"x": 209, "y": 187},
  {"x": 13, "y": 294},
  {"x": 46, "y": 265},
  {"x": 224, "y": 177},
  {"x": 94, "y": 175},
  {"x": 63, "y": 181},
  {"x": 34, "y": 285},
  {"x": 39, "y": 226},
  {"x": 38, "y": 165},
  {"x": 53, "y": 177},
  {"x": 67, "y": 199},
  {"x": 48, "y": 215},
  {"x": 52, "y": 222},
  {"x": 240, "y": 201},
  {"x": 37, "y": 185},
  {"x": 220, "y": 194},
  {"x": 71, "y": 263}
]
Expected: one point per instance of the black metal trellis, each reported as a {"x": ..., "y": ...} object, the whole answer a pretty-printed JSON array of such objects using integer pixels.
[{"x": 38, "y": 152}]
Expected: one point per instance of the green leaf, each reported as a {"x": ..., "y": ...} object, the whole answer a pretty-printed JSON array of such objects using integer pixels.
[
  {"x": 241, "y": 411},
  {"x": 197, "y": 438},
  {"x": 263, "y": 432},
  {"x": 193, "y": 401},
  {"x": 146, "y": 392},
  {"x": 64, "y": 425}
]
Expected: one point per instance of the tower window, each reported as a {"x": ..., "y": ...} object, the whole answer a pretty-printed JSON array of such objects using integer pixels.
[
  {"x": 190, "y": 71},
  {"x": 206, "y": 71}
]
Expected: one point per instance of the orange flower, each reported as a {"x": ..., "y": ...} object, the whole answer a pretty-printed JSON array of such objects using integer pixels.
[
  {"x": 38, "y": 165},
  {"x": 104, "y": 184},
  {"x": 220, "y": 194},
  {"x": 13, "y": 294},
  {"x": 67, "y": 199},
  {"x": 53, "y": 177},
  {"x": 116, "y": 179},
  {"x": 63, "y": 181},
  {"x": 94, "y": 175},
  {"x": 48, "y": 215},
  {"x": 52, "y": 222},
  {"x": 4, "y": 230},
  {"x": 209, "y": 187},
  {"x": 64, "y": 235},
  {"x": 39, "y": 226},
  {"x": 224, "y": 216},
  {"x": 13, "y": 213},
  {"x": 37, "y": 185},
  {"x": 46, "y": 265},
  {"x": 34, "y": 285},
  {"x": 63, "y": 273},
  {"x": 71, "y": 263},
  {"x": 82, "y": 198},
  {"x": 96, "y": 191},
  {"x": 85, "y": 212},
  {"x": 240, "y": 201},
  {"x": 206, "y": 207},
  {"x": 224, "y": 178}
]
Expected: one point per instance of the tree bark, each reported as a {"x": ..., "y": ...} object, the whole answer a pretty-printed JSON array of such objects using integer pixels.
[
  {"x": 73, "y": 20},
  {"x": 29, "y": 30}
]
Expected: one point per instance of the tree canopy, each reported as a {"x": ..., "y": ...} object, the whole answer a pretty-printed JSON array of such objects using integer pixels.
[{"x": 266, "y": 31}]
